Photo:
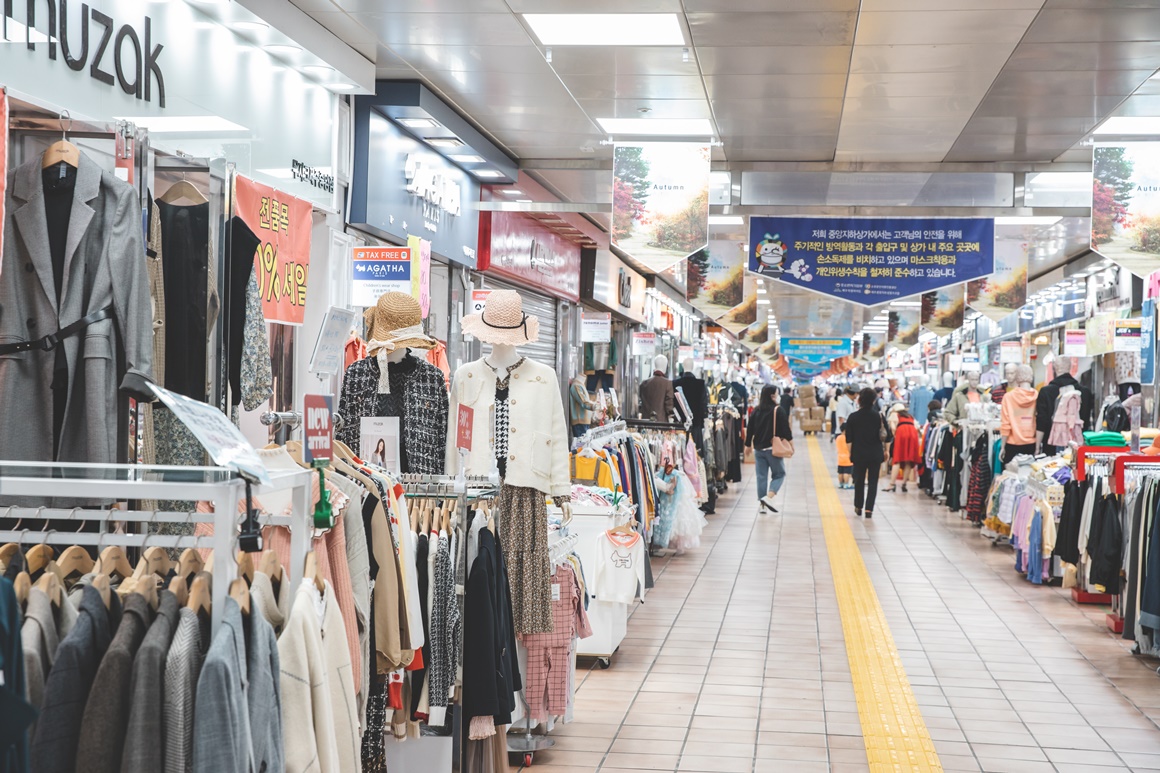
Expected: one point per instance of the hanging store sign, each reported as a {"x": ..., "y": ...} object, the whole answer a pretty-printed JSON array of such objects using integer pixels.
[
  {"x": 379, "y": 270},
  {"x": 903, "y": 327},
  {"x": 1127, "y": 335},
  {"x": 282, "y": 224},
  {"x": 1010, "y": 351},
  {"x": 660, "y": 202},
  {"x": 317, "y": 411},
  {"x": 520, "y": 248},
  {"x": 716, "y": 277},
  {"x": 943, "y": 309},
  {"x": 877, "y": 346},
  {"x": 595, "y": 327},
  {"x": 403, "y": 189},
  {"x": 614, "y": 284},
  {"x": 871, "y": 260},
  {"x": 819, "y": 351},
  {"x": 330, "y": 346},
  {"x": 644, "y": 344},
  {"x": 424, "y": 289},
  {"x": 1075, "y": 343},
  {"x": 1126, "y": 205},
  {"x": 1005, "y": 290},
  {"x": 971, "y": 363}
]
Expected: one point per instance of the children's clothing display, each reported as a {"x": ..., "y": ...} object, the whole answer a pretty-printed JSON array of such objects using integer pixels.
[
  {"x": 679, "y": 521},
  {"x": 620, "y": 567}
]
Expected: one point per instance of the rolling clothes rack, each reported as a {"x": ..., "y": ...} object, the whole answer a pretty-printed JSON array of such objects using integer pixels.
[{"x": 224, "y": 488}]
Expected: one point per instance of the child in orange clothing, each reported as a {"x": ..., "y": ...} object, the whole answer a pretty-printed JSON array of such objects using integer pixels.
[{"x": 845, "y": 466}]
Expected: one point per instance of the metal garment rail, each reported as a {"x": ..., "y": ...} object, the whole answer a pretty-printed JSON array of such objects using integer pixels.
[{"x": 120, "y": 482}]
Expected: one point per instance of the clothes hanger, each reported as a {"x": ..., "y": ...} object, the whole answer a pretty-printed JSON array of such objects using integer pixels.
[
  {"x": 146, "y": 587},
  {"x": 190, "y": 564},
  {"x": 271, "y": 567},
  {"x": 52, "y": 587},
  {"x": 246, "y": 568},
  {"x": 62, "y": 151},
  {"x": 311, "y": 572},
  {"x": 183, "y": 189},
  {"x": 38, "y": 557},
  {"x": 22, "y": 585},
  {"x": 113, "y": 561},
  {"x": 200, "y": 595},
  {"x": 154, "y": 560},
  {"x": 75, "y": 560},
  {"x": 179, "y": 588},
  {"x": 240, "y": 592}
]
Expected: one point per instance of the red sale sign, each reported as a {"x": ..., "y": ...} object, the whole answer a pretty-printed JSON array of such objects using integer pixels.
[
  {"x": 316, "y": 418},
  {"x": 463, "y": 425}
]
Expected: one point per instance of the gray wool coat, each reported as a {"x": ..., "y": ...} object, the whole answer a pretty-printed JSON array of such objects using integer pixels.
[
  {"x": 104, "y": 266},
  {"x": 144, "y": 740}
]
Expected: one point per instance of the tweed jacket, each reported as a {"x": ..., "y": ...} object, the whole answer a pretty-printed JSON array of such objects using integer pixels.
[
  {"x": 537, "y": 435},
  {"x": 54, "y": 748},
  {"x": 424, "y": 411},
  {"x": 106, "y": 717},
  {"x": 182, "y": 669},
  {"x": 14, "y": 746},
  {"x": 237, "y": 723},
  {"x": 104, "y": 266},
  {"x": 144, "y": 742}
]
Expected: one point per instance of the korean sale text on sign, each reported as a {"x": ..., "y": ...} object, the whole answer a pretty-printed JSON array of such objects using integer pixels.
[
  {"x": 282, "y": 260},
  {"x": 871, "y": 260}
]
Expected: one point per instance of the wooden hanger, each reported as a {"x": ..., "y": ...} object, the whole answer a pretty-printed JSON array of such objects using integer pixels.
[
  {"x": 75, "y": 560},
  {"x": 101, "y": 585},
  {"x": 270, "y": 565},
  {"x": 113, "y": 561},
  {"x": 246, "y": 568},
  {"x": 147, "y": 587},
  {"x": 240, "y": 592},
  {"x": 154, "y": 561},
  {"x": 200, "y": 594},
  {"x": 62, "y": 151},
  {"x": 179, "y": 588},
  {"x": 425, "y": 513},
  {"x": 190, "y": 564},
  {"x": 7, "y": 551},
  {"x": 415, "y": 516},
  {"x": 37, "y": 558},
  {"x": 624, "y": 528},
  {"x": 312, "y": 573},
  {"x": 183, "y": 189},
  {"x": 22, "y": 585},
  {"x": 52, "y": 587}
]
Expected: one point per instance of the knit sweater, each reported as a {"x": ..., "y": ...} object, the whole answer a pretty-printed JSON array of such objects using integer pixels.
[{"x": 1017, "y": 416}]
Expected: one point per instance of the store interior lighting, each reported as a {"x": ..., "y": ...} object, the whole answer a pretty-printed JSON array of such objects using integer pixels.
[
  {"x": 444, "y": 143},
  {"x": 1123, "y": 124},
  {"x": 607, "y": 29},
  {"x": 468, "y": 158},
  {"x": 676, "y": 127},
  {"x": 418, "y": 123}
]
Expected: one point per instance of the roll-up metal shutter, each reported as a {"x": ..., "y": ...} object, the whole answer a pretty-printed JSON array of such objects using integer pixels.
[{"x": 535, "y": 305}]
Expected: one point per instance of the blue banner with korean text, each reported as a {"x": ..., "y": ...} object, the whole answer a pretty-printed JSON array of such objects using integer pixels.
[
  {"x": 816, "y": 351},
  {"x": 871, "y": 260}
]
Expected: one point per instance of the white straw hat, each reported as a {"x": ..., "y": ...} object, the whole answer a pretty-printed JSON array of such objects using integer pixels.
[{"x": 503, "y": 320}]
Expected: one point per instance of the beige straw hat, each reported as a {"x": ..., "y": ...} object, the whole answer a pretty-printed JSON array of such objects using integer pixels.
[
  {"x": 503, "y": 320},
  {"x": 395, "y": 322}
]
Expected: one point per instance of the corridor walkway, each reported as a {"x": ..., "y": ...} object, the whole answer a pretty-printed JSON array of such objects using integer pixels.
[{"x": 737, "y": 660}]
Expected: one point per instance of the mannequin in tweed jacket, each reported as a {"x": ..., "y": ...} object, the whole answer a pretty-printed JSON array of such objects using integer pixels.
[{"x": 425, "y": 406}]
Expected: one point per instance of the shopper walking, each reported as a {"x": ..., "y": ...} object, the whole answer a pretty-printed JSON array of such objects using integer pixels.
[
  {"x": 768, "y": 421},
  {"x": 865, "y": 430},
  {"x": 907, "y": 453},
  {"x": 846, "y": 406}
]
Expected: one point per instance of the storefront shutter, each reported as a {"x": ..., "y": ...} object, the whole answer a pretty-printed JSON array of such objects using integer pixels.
[{"x": 536, "y": 305}]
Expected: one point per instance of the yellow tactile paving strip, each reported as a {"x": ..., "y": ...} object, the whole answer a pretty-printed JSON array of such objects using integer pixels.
[{"x": 892, "y": 726}]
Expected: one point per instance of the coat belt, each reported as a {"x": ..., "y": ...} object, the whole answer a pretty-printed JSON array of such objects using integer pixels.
[{"x": 50, "y": 341}]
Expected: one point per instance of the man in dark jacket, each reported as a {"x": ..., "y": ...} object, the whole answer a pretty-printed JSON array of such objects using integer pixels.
[
  {"x": 1049, "y": 396},
  {"x": 657, "y": 398}
]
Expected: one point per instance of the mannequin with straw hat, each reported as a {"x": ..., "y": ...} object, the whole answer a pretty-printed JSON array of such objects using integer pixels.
[
  {"x": 520, "y": 431},
  {"x": 393, "y": 382}
]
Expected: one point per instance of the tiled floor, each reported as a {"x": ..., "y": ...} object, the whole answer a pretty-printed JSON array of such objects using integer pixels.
[{"x": 736, "y": 662}]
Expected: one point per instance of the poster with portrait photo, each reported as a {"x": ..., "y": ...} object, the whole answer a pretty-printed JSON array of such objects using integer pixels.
[{"x": 379, "y": 442}]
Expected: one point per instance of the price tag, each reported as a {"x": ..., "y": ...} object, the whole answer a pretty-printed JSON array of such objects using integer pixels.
[
  {"x": 555, "y": 591},
  {"x": 217, "y": 434},
  {"x": 464, "y": 423},
  {"x": 317, "y": 416}
]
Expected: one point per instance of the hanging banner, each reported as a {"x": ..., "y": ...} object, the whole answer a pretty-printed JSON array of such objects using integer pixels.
[
  {"x": 595, "y": 327},
  {"x": 943, "y": 309},
  {"x": 1011, "y": 351},
  {"x": 903, "y": 327},
  {"x": 717, "y": 283},
  {"x": 743, "y": 314},
  {"x": 877, "y": 348},
  {"x": 819, "y": 351},
  {"x": 1100, "y": 330},
  {"x": 1127, "y": 335},
  {"x": 1075, "y": 343},
  {"x": 871, "y": 260},
  {"x": 1005, "y": 290},
  {"x": 1148, "y": 347},
  {"x": 420, "y": 272},
  {"x": 378, "y": 270},
  {"x": 282, "y": 224},
  {"x": 644, "y": 344},
  {"x": 660, "y": 201},
  {"x": 1126, "y": 205}
]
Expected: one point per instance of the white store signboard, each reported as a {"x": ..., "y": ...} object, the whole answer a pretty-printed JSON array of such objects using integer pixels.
[{"x": 595, "y": 327}]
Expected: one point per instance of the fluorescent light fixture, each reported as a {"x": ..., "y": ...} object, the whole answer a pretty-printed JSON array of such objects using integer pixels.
[
  {"x": 468, "y": 158},
  {"x": 250, "y": 26},
  {"x": 606, "y": 29},
  {"x": 692, "y": 127},
  {"x": 523, "y": 201},
  {"x": 210, "y": 2},
  {"x": 448, "y": 143},
  {"x": 726, "y": 220},
  {"x": 489, "y": 173},
  {"x": 340, "y": 87},
  {"x": 1122, "y": 124},
  {"x": 317, "y": 69},
  {"x": 1046, "y": 220},
  {"x": 418, "y": 123},
  {"x": 183, "y": 124},
  {"x": 283, "y": 49},
  {"x": 511, "y": 192}
]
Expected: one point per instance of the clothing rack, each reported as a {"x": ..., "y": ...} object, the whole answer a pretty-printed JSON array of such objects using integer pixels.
[
  {"x": 648, "y": 424},
  {"x": 222, "y": 487},
  {"x": 1096, "y": 454},
  {"x": 598, "y": 436}
]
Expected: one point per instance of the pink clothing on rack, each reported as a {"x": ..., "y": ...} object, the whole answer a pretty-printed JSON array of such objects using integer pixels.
[
  {"x": 550, "y": 654},
  {"x": 1066, "y": 425}
]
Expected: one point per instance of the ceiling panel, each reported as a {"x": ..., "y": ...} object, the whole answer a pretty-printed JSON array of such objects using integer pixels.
[
  {"x": 950, "y": 5},
  {"x": 595, "y": 6},
  {"x": 513, "y": 59},
  {"x": 346, "y": 27},
  {"x": 1042, "y": 104},
  {"x": 910, "y": 84},
  {"x": 1072, "y": 82},
  {"x": 772, "y": 29},
  {"x": 635, "y": 86},
  {"x": 925, "y": 58},
  {"x": 786, "y": 108},
  {"x": 1140, "y": 106},
  {"x": 1109, "y": 23},
  {"x": 767, "y": 6},
  {"x": 994, "y": 124},
  {"x": 776, "y": 87},
  {"x": 658, "y": 108},
  {"x": 932, "y": 27},
  {"x": 423, "y": 6},
  {"x": 990, "y": 147},
  {"x": 892, "y": 108},
  {"x": 777, "y": 126},
  {"x": 622, "y": 60},
  {"x": 445, "y": 29},
  {"x": 755, "y": 60},
  {"x": 1129, "y": 55}
]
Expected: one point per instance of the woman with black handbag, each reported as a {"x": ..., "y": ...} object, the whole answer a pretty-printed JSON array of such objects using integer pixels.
[
  {"x": 771, "y": 437},
  {"x": 866, "y": 432}
]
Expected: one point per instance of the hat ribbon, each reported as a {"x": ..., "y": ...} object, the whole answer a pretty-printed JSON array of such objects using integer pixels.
[{"x": 523, "y": 323}]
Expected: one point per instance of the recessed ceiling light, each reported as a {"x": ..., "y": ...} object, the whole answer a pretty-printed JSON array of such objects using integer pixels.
[
  {"x": 317, "y": 69},
  {"x": 487, "y": 173},
  {"x": 726, "y": 220},
  {"x": 511, "y": 192},
  {"x": 1122, "y": 124},
  {"x": 524, "y": 201},
  {"x": 183, "y": 124},
  {"x": 283, "y": 49},
  {"x": 606, "y": 29},
  {"x": 1044, "y": 220},
  {"x": 468, "y": 159},
  {"x": 692, "y": 127},
  {"x": 250, "y": 26},
  {"x": 418, "y": 123},
  {"x": 449, "y": 143},
  {"x": 341, "y": 86}
]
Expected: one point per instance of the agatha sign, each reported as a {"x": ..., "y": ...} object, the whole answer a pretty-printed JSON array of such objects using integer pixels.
[
  {"x": 871, "y": 260},
  {"x": 379, "y": 270}
]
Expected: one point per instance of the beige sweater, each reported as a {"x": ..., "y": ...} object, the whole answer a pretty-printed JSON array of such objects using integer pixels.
[
  {"x": 307, "y": 714},
  {"x": 343, "y": 704}
]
